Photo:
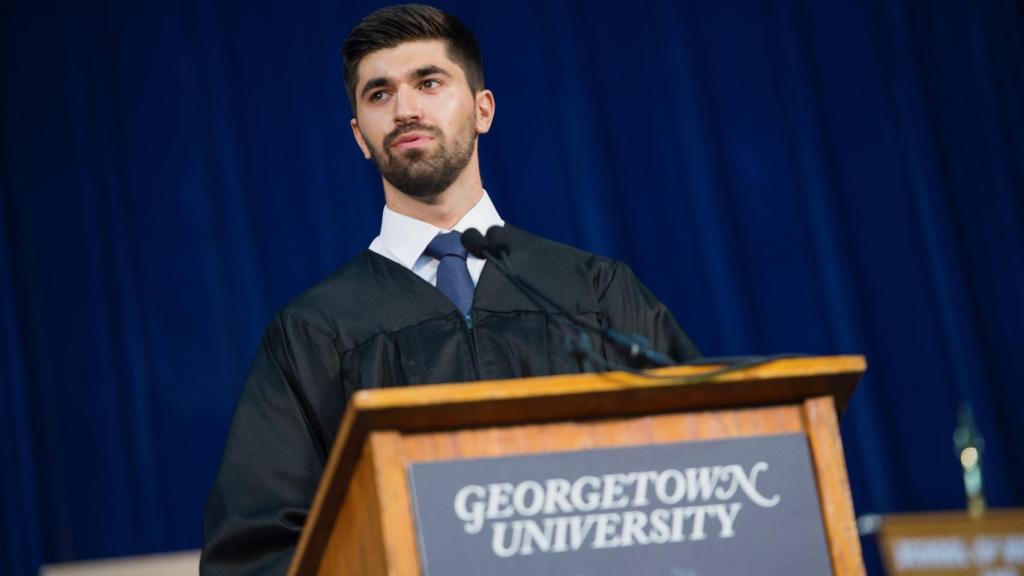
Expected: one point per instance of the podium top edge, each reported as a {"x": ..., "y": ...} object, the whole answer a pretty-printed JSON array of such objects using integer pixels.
[{"x": 800, "y": 368}]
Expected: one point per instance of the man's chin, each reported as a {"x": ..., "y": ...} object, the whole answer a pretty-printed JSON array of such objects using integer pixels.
[
  {"x": 411, "y": 155},
  {"x": 422, "y": 191},
  {"x": 417, "y": 180}
]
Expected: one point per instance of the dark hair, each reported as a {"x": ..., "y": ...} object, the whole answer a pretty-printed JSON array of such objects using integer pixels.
[{"x": 394, "y": 25}]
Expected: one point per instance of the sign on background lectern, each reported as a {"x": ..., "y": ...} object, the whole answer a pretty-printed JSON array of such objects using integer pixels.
[
  {"x": 738, "y": 506},
  {"x": 953, "y": 544}
]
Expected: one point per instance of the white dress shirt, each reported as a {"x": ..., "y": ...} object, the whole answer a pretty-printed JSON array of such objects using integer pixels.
[{"x": 403, "y": 239}]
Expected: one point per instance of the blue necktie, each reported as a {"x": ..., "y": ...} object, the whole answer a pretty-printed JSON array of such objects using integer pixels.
[{"x": 453, "y": 278}]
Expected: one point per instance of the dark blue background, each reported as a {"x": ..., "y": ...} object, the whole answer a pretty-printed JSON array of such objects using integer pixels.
[{"x": 818, "y": 176}]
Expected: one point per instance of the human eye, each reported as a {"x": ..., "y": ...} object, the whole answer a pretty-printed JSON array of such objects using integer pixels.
[
  {"x": 377, "y": 96},
  {"x": 430, "y": 83}
]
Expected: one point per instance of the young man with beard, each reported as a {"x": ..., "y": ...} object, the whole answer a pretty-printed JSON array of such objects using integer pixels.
[{"x": 414, "y": 308}]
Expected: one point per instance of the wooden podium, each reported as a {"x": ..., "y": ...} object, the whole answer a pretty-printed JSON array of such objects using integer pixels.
[{"x": 361, "y": 521}]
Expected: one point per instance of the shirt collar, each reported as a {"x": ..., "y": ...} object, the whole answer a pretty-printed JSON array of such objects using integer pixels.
[{"x": 407, "y": 237}]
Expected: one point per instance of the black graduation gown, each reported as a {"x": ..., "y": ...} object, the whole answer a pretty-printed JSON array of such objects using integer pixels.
[{"x": 375, "y": 324}]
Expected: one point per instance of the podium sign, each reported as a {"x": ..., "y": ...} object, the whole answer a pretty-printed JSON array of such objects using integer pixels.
[
  {"x": 953, "y": 544},
  {"x": 736, "y": 506}
]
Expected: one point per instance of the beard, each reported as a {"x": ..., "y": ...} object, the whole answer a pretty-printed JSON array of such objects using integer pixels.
[{"x": 421, "y": 173}]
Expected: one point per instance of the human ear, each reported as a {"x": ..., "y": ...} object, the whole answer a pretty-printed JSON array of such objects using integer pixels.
[
  {"x": 358, "y": 135},
  {"x": 484, "y": 111}
]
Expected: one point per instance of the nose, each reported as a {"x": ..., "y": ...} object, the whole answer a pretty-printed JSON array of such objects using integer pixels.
[{"x": 407, "y": 106}]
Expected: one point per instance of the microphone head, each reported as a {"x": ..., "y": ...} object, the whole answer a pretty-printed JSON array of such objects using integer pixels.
[
  {"x": 474, "y": 243},
  {"x": 497, "y": 237}
]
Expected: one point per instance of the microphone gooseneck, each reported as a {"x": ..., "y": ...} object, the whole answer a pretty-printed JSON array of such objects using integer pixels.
[
  {"x": 496, "y": 245},
  {"x": 577, "y": 341}
]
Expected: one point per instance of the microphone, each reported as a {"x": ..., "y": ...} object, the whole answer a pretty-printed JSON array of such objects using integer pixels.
[
  {"x": 496, "y": 244},
  {"x": 497, "y": 237},
  {"x": 475, "y": 243}
]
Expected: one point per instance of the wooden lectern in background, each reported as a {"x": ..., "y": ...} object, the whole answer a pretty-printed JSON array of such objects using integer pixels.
[{"x": 362, "y": 521}]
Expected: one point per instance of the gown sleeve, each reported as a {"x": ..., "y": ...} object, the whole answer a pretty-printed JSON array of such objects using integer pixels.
[
  {"x": 275, "y": 452},
  {"x": 630, "y": 307}
]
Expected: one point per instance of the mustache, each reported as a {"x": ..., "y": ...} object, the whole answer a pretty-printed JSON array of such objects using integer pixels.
[{"x": 401, "y": 130}]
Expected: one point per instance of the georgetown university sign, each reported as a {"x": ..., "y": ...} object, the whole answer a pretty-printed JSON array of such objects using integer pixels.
[{"x": 730, "y": 507}]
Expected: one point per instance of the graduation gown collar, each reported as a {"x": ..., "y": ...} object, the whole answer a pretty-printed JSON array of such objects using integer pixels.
[{"x": 494, "y": 292}]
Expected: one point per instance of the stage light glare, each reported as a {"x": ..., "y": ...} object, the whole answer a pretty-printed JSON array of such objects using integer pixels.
[{"x": 969, "y": 457}]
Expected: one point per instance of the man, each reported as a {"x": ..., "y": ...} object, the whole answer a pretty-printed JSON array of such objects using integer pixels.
[{"x": 413, "y": 308}]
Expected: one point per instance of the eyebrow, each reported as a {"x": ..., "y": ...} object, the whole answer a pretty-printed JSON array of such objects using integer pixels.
[{"x": 422, "y": 72}]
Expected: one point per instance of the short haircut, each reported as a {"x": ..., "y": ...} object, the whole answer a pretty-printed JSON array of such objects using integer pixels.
[{"x": 394, "y": 25}]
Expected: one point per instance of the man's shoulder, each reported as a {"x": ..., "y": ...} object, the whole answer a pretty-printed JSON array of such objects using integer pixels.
[
  {"x": 559, "y": 268},
  {"x": 341, "y": 296},
  {"x": 545, "y": 249}
]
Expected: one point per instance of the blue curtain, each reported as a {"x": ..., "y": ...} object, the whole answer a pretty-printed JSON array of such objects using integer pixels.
[{"x": 821, "y": 177}]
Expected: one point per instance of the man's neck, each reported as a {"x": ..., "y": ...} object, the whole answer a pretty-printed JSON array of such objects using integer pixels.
[{"x": 444, "y": 210}]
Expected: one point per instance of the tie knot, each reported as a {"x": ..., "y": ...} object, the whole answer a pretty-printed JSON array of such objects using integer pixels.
[{"x": 449, "y": 244}]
